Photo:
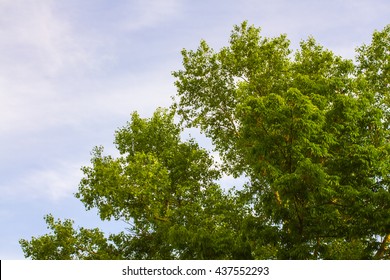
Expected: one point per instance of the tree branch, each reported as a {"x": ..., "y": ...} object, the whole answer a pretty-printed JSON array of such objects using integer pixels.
[{"x": 379, "y": 254}]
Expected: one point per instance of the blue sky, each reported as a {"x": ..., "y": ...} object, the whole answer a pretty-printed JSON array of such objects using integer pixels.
[{"x": 72, "y": 71}]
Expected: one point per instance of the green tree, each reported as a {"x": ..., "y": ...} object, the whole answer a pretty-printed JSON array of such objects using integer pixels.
[
  {"x": 163, "y": 189},
  {"x": 308, "y": 130}
]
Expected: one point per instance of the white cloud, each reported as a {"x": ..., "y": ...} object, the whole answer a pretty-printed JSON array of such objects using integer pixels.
[
  {"x": 34, "y": 39},
  {"x": 36, "y": 47},
  {"x": 53, "y": 182},
  {"x": 54, "y": 73}
]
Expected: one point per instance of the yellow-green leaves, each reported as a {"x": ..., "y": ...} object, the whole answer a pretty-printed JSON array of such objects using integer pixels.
[
  {"x": 66, "y": 243},
  {"x": 309, "y": 132}
]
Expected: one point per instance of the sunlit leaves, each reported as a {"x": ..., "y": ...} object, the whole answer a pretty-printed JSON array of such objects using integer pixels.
[
  {"x": 66, "y": 243},
  {"x": 308, "y": 130}
]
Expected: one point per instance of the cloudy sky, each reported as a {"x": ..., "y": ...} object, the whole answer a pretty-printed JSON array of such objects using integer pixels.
[{"x": 72, "y": 71}]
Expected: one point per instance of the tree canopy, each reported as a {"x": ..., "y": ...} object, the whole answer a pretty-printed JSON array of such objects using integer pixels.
[{"x": 307, "y": 129}]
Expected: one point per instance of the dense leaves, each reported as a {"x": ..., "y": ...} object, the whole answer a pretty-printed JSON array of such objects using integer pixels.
[
  {"x": 308, "y": 130},
  {"x": 163, "y": 189},
  {"x": 311, "y": 134}
]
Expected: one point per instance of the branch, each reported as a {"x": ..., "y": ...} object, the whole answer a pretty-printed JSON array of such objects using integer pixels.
[
  {"x": 230, "y": 119},
  {"x": 383, "y": 247},
  {"x": 161, "y": 219}
]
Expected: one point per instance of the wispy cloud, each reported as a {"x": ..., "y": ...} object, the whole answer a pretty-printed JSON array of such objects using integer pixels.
[
  {"x": 59, "y": 79},
  {"x": 36, "y": 46},
  {"x": 51, "y": 183},
  {"x": 34, "y": 39},
  {"x": 52, "y": 70}
]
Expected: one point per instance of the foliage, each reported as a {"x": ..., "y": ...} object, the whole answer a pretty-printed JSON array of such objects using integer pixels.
[
  {"x": 163, "y": 189},
  {"x": 66, "y": 243},
  {"x": 309, "y": 130}
]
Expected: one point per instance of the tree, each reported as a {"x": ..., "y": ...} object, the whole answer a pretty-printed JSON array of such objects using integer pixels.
[
  {"x": 309, "y": 131},
  {"x": 163, "y": 189}
]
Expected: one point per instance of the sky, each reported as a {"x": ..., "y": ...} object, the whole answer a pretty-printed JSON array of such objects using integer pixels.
[{"x": 72, "y": 72}]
